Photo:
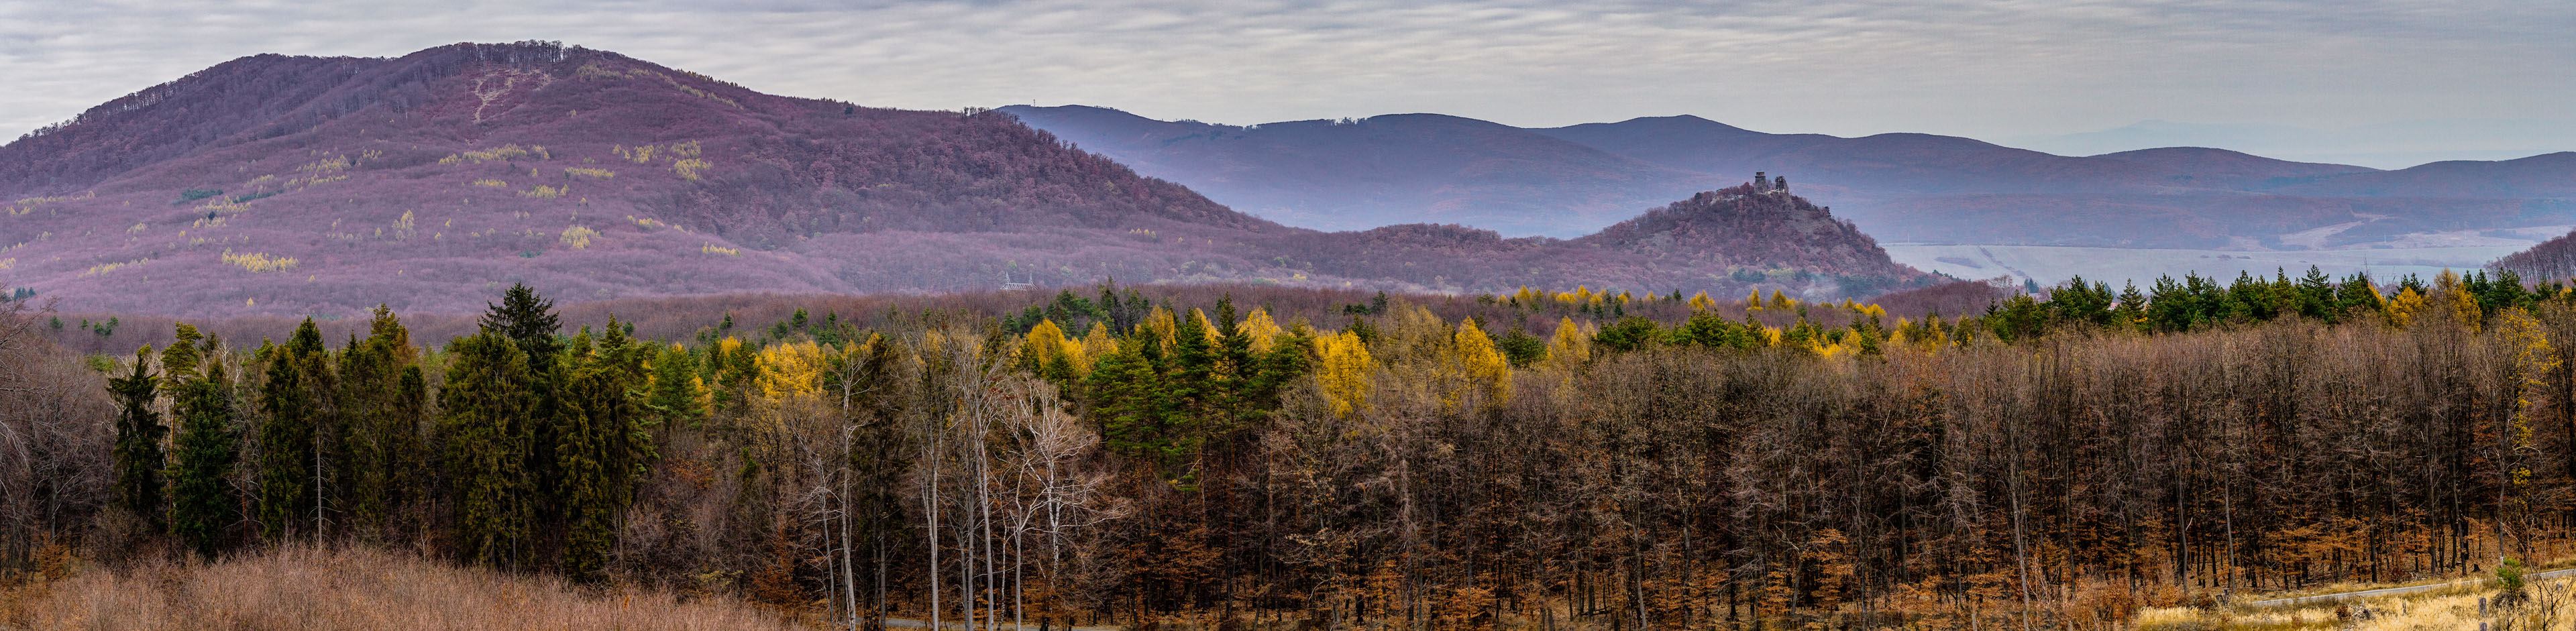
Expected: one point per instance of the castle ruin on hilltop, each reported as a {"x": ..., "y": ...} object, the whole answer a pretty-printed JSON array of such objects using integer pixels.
[{"x": 1777, "y": 184}]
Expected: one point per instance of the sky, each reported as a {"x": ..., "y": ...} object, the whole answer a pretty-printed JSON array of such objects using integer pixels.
[{"x": 2035, "y": 73}]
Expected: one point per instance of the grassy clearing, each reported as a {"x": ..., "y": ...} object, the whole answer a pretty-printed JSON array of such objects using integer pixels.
[
  {"x": 311, "y": 588},
  {"x": 2548, "y": 605}
]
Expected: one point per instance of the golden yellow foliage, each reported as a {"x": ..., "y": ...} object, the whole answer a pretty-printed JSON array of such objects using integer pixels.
[
  {"x": 1486, "y": 373},
  {"x": 1159, "y": 324},
  {"x": 2534, "y": 359},
  {"x": 712, "y": 248},
  {"x": 789, "y": 370},
  {"x": 2464, "y": 308},
  {"x": 1046, "y": 344},
  {"x": 2402, "y": 309},
  {"x": 333, "y": 164},
  {"x": 259, "y": 263},
  {"x": 1345, "y": 372},
  {"x": 1701, "y": 302},
  {"x": 1571, "y": 345},
  {"x": 1098, "y": 343},
  {"x": 1206, "y": 326},
  {"x": 546, "y": 192},
  {"x": 103, "y": 268},
  {"x": 505, "y": 152},
  {"x": 689, "y": 168},
  {"x": 578, "y": 236},
  {"x": 490, "y": 182},
  {"x": 1261, "y": 330},
  {"x": 590, "y": 172}
]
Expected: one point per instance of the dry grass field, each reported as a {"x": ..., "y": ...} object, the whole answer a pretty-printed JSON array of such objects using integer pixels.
[
  {"x": 311, "y": 588},
  {"x": 2544, "y": 606}
]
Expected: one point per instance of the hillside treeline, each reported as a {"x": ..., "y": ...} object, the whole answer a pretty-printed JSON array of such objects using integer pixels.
[{"x": 2055, "y": 461}]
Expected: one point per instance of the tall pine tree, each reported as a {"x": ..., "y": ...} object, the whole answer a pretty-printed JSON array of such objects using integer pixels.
[
  {"x": 528, "y": 321},
  {"x": 139, "y": 459},
  {"x": 489, "y": 403},
  {"x": 202, "y": 503},
  {"x": 286, "y": 493},
  {"x": 602, "y": 450}
]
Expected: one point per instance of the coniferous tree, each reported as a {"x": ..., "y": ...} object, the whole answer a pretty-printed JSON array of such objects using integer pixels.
[
  {"x": 1192, "y": 390},
  {"x": 380, "y": 389},
  {"x": 202, "y": 503},
  {"x": 139, "y": 460},
  {"x": 179, "y": 362},
  {"x": 1130, "y": 398},
  {"x": 530, "y": 322},
  {"x": 602, "y": 450},
  {"x": 678, "y": 394},
  {"x": 287, "y": 437},
  {"x": 489, "y": 405}
]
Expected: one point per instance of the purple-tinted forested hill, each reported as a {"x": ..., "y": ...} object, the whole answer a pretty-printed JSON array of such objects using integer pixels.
[
  {"x": 298, "y": 185},
  {"x": 1568, "y": 181}
]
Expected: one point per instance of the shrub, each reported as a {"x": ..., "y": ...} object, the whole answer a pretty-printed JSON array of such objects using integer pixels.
[
  {"x": 259, "y": 263},
  {"x": 578, "y": 236},
  {"x": 690, "y": 168}
]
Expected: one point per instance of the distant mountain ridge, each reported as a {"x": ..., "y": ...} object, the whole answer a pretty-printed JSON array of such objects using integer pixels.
[
  {"x": 1899, "y": 187},
  {"x": 323, "y": 186},
  {"x": 1424, "y": 168}
]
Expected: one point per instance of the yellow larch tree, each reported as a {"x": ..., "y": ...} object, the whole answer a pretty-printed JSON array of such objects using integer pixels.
[
  {"x": 790, "y": 369},
  {"x": 1482, "y": 369},
  {"x": 1206, "y": 326},
  {"x": 1098, "y": 343},
  {"x": 1571, "y": 346},
  {"x": 1345, "y": 372},
  {"x": 1262, "y": 331},
  {"x": 1047, "y": 351},
  {"x": 1160, "y": 325},
  {"x": 2402, "y": 309}
]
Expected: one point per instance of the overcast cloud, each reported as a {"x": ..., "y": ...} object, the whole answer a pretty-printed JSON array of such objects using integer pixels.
[{"x": 1998, "y": 69}]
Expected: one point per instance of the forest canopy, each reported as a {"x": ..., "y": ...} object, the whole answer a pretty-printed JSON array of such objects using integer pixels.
[{"x": 1289, "y": 456}]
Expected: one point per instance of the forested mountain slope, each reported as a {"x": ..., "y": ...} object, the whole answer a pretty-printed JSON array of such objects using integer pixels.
[{"x": 294, "y": 185}]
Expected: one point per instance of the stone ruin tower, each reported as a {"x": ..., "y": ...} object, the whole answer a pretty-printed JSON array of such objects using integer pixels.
[{"x": 1761, "y": 184}]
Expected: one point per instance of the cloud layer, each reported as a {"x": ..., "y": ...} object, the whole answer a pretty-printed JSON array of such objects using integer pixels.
[{"x": 1987, "y": 68}]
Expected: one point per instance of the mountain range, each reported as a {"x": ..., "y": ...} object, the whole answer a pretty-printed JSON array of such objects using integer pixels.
[
  {"x": 1901, "y": 187},
  {"x": 312, "y": 185},
  {"x": 2394, "y": 145}
]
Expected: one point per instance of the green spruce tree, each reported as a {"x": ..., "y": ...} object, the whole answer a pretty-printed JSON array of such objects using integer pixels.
[
  {"x": 488, "y": 404},
  {"x": 287, "y": 459},
  {"x": 202, "y": 504},
  {"x": 139, "y": 460}
]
